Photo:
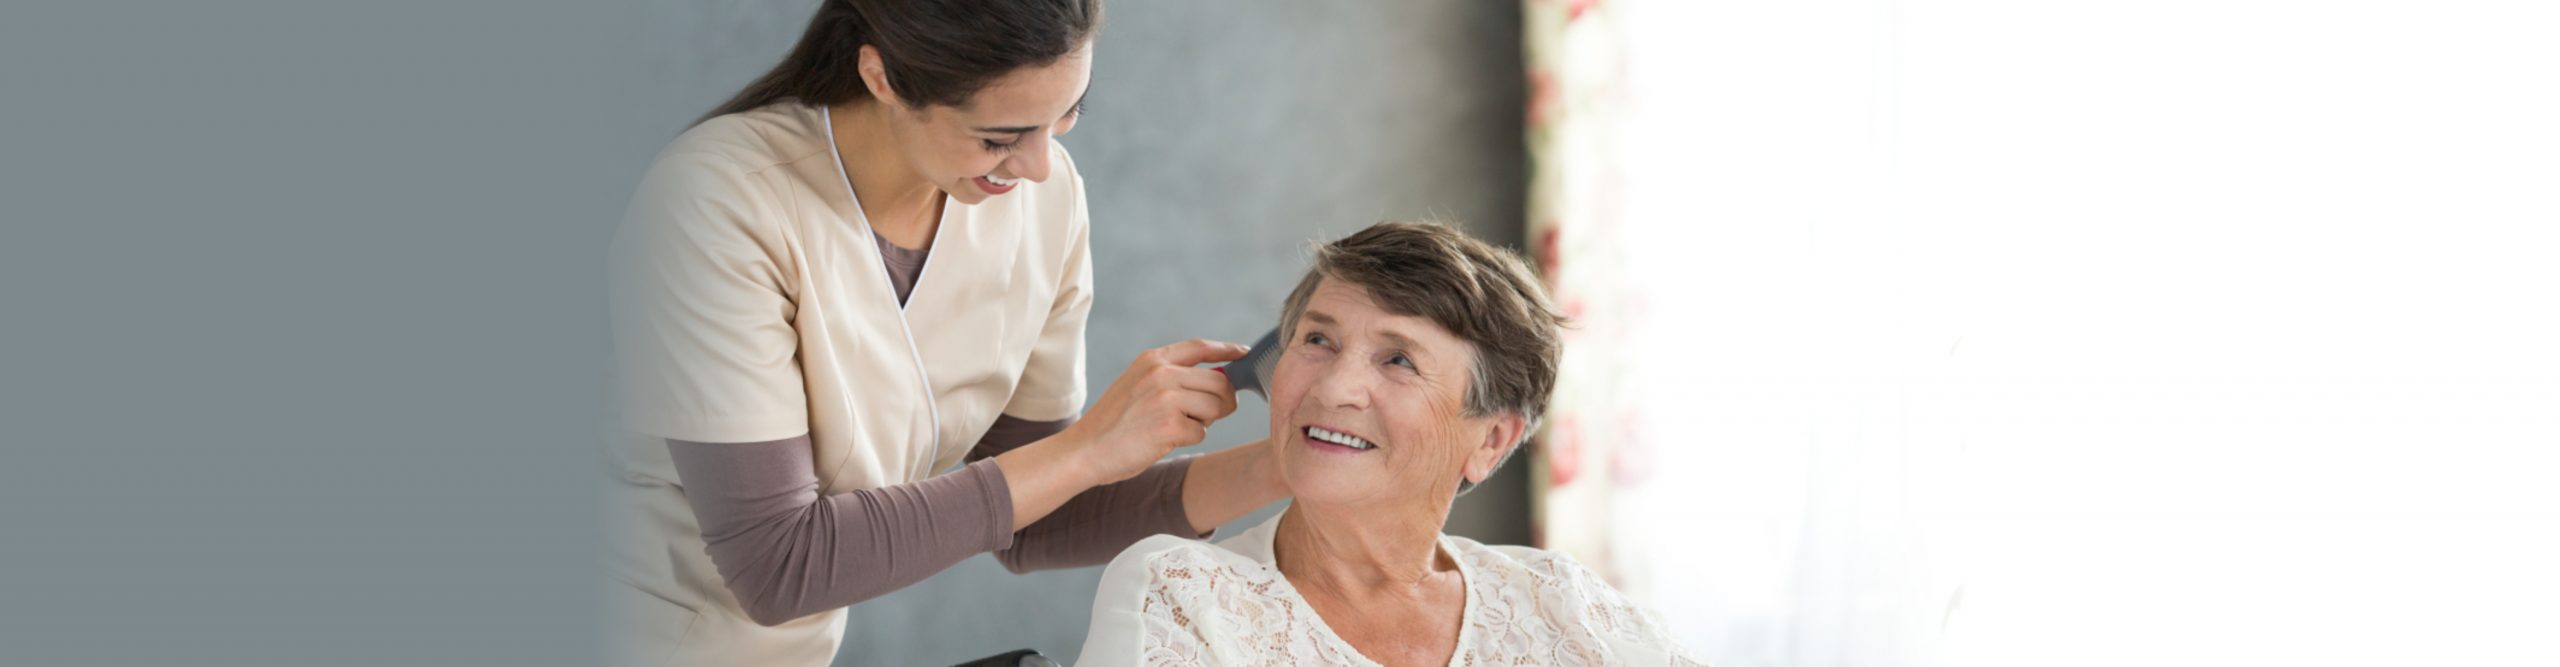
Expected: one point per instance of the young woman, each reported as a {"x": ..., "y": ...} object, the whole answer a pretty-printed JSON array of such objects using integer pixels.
[{"x": 866, "y": 269}]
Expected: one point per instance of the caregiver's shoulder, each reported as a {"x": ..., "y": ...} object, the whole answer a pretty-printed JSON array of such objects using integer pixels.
[{"x": 745, "y": 142}]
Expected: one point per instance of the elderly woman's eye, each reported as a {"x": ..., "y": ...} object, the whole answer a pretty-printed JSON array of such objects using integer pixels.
[
  {"x": 1318, "y": 339},
  {"x": 1401, "y": 360}
]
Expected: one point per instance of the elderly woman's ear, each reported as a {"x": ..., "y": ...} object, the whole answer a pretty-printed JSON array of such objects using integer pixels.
[{"x": 1508, "y": 428}]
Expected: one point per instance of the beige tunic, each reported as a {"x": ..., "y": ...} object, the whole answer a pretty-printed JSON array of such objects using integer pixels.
[{"x": 751, "y": 304}]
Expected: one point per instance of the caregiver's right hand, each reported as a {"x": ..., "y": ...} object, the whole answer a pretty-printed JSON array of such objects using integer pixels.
[{"x": 1164, "y": 401}]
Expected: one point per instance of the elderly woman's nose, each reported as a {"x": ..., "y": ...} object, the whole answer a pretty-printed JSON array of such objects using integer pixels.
[{"x": 1341, "y": 385}]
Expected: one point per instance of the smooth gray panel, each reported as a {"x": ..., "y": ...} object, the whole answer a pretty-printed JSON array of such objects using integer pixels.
[{"x": 300, "y": 332}]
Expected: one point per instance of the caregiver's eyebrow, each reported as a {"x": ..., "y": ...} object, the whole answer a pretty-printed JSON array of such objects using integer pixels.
[{"x": 1026, "y": 129}]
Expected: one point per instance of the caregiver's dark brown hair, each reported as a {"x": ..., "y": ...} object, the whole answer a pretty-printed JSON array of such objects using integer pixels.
[{"x": 936, "y": 52}]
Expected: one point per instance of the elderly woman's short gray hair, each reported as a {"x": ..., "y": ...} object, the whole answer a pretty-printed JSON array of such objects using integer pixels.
[{"x": 1484, "y": 295}]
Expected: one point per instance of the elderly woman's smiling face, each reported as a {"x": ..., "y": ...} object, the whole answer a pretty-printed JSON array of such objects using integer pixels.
[{"x": 1369, "y": 405}]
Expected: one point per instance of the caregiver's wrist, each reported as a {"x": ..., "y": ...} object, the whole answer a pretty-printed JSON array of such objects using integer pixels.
[
  {"x": 1076, "y": 452},
  {"x": 1043, "y": 475}
]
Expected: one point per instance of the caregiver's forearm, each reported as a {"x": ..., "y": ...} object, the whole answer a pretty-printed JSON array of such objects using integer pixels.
[
  {"x": 1096, "y": 523},
  {"x": 787, "y": 552},
  {"x": 1043, "y": 476},
  {"x": 1228, "y": 483},
  {"x": 1102, "y": 521}
]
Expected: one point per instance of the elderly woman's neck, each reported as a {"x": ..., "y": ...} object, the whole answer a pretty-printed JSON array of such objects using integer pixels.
[{"x": 1363, "y": 549}]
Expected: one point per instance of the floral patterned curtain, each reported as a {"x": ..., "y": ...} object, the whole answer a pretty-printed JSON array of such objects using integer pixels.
[{"x": 1589, "y": 449}]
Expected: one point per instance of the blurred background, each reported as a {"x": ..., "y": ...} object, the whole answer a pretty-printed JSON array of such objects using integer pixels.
[
  {"x": 1925, "y": 332},
  {"x": 1966, "y": 332}
]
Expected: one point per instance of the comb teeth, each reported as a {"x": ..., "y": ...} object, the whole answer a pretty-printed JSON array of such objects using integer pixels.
[{"x": 1250, "y": 372}]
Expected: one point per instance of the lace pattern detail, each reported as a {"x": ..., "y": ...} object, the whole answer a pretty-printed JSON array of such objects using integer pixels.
[{"x": 1524, "y": 607}]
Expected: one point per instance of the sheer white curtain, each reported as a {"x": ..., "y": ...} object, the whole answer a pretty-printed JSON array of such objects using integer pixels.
[{"x": 1962, "y": 332}]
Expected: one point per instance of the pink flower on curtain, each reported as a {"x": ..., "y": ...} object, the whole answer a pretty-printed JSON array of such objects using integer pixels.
[
  {"x": 1543, "y": 97},
  {"x": 1571, "y": 102},
  {"x": 1574, "y": 9},
  {"x": 1564, "y": 455},
  {"x": 1549, "y": 258}
]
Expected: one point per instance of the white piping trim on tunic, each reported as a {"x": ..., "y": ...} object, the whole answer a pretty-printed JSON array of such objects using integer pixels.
[{"x": 827, "y": 118}]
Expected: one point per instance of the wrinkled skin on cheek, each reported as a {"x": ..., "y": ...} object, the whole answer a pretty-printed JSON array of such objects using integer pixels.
[{"x": 1398, "y": 380}]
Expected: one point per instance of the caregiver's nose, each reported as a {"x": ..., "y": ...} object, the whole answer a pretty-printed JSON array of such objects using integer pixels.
[{"x": 1032, "y": 161}]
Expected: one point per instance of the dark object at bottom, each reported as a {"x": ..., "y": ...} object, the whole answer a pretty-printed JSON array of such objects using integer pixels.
[{"x": 1022, "y": 658}]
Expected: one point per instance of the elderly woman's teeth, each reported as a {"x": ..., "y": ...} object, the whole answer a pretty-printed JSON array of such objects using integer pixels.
[
  {"x": 999, "y": 181},
  {"x": 1344, "y": 439}
]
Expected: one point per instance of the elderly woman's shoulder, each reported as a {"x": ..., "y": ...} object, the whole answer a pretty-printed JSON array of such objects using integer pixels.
[
  {"x": 1164, "y": 573},
  {"x": 1573, "y": 598},
  {"x": 1538, "y": 564},
  {"x": 1175, "y": 547},
  {"x": 1163, "y": 558}
]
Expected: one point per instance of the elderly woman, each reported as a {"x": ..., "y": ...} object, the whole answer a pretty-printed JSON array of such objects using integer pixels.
[{"x": 1416, "y": 360}]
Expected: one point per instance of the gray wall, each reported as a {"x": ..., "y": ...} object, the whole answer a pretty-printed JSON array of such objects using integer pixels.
[
  {"x": 1222, "y": 137},
  {"x": 300, "y": 327}
]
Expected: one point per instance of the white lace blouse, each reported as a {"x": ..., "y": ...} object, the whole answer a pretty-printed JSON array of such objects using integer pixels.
[{"x": 1172, "y": 601}]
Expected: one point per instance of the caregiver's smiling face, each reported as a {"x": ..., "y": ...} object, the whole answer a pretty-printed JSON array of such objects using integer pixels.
[
  {"x": 1001, "y": 136},
  {"x": 1392, "y": 386}
]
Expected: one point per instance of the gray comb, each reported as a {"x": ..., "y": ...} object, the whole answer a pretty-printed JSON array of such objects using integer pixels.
[{"x": 1251, "y": 371}]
